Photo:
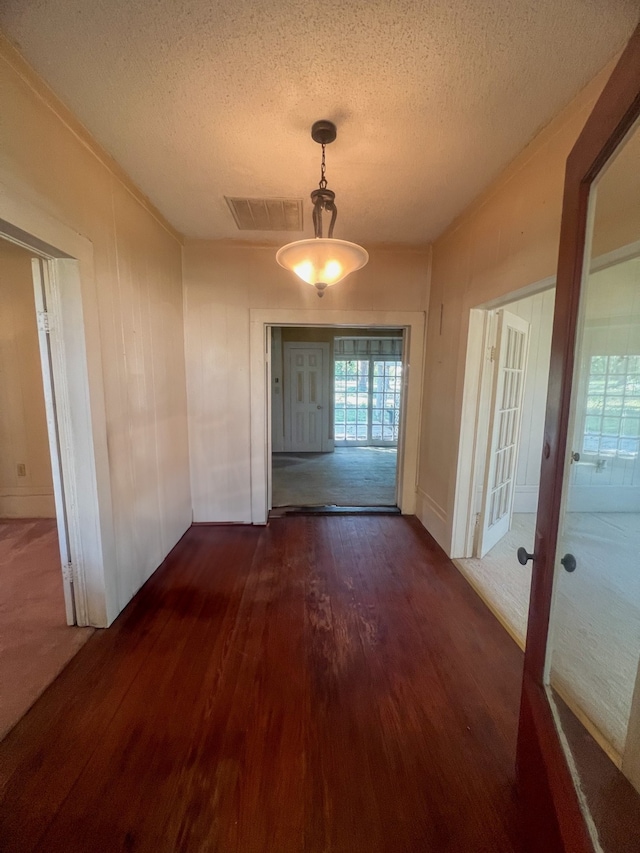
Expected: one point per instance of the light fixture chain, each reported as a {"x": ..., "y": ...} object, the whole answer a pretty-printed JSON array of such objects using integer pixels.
[{"x": 323, "y": 170}]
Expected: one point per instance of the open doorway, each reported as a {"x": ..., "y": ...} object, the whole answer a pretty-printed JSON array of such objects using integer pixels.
[
  {"x": 603, "y": 472},
  {"x": 36, "y": 599},
  {"x": 505, "y": 389},
  {"x": 336, "y": 416}
]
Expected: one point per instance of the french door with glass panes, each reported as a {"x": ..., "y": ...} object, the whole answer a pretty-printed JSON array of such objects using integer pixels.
[{"x": 367, "y": 401}]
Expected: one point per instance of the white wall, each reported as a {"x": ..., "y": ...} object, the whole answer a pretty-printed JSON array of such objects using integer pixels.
[
  {"x": 52, "y": 172},
  {"x": 223, "y": 283},
  {"x": 23, "y": 422}
]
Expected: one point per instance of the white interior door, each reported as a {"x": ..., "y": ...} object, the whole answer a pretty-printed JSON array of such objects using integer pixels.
[
  {"x": 306, "y": 397},
  {"x": 40, "y": 271},
  {"x": 511, "y": 350}
]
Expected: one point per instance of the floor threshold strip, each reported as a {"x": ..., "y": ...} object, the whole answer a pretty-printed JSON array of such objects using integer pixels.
[{"x": 281, "y": 511}]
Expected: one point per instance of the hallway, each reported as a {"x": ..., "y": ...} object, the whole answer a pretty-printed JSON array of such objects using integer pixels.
[{"x": 321, "y": 684}]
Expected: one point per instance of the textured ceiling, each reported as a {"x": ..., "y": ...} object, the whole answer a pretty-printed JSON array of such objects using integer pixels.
[{"x": 206, "y": 98}]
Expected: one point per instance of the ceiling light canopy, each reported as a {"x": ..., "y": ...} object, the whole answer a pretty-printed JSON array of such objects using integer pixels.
[{"x": 322, "y": 261}]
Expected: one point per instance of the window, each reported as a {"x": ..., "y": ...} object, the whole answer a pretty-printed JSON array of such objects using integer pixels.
[
  {"x": 612, "y": 421},
  {"x": 367, "y": 400}
]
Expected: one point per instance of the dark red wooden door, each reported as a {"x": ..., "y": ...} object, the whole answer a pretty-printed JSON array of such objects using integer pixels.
[{"x": 556, "y": 813}]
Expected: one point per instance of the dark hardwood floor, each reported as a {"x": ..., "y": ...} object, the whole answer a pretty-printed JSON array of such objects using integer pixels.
[{"x": 325, "y": 684}]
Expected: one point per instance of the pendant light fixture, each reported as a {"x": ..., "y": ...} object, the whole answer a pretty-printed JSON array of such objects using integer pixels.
[{"x": 322, "y": 261}]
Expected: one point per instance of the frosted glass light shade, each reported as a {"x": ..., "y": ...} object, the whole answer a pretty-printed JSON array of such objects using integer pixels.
[{"x": 322, "y": 261}]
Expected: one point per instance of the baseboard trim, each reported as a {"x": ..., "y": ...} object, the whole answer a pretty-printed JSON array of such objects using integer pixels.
[
  {"x": 434, "y": 519},
  {"x": 27, "y": 506}
]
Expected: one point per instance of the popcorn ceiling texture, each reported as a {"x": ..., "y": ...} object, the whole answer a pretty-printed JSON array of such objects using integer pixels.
[{"x": 198, "y": 100}]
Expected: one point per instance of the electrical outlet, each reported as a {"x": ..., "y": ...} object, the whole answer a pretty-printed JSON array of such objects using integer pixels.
[{"x": 22, "y": 469}]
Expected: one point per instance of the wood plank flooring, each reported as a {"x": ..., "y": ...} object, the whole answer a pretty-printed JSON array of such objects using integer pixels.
[
  {"x": 325, "y": 684},
  {"x": 35, "y": 641}
]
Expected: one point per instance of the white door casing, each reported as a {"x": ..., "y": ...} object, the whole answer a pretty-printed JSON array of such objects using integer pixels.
[
  {"x": 261, "y": 321},
  {"x": 511, "y": 351},
  {"x": 306, "y": 390},
  {"x": 76, "y": 362},
  {"x": 40, "y": 275}
]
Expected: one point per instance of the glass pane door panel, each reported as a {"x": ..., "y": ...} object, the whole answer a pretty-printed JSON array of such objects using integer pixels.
[
  {"x": 594, "y": 639},
  {"x": 367, "y": 400},
  {"x": 351, "y": 402},
  {"x": 386, "y": 400}
]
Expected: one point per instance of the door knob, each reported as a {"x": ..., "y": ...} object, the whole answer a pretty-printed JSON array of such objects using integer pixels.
[
  {"x": 569, "y": 562},
  {"x": 524, "y": 556},
  {"x": 319, "y": 407}
]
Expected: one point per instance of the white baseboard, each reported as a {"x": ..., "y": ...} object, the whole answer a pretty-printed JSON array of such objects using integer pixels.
[
  {"x": 434, "y": 519},
  {"x": 27, "y": 506}
]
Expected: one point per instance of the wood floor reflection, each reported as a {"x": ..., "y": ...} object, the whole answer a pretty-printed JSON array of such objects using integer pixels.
[{"x": 322, "y": 684}]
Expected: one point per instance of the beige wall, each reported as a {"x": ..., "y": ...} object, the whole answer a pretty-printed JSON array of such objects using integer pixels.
[
  {"x": 507, "y": 241},
  {"x": 23, "y": 423},
  {"x": 51, "y": 165},
  {"x": 222, "y": 284}
]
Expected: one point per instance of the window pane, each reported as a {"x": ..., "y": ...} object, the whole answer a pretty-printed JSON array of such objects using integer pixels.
[
  {"x": 630, "y": 427},
  {"x": 611, "y": 426},
  {"x": 616, "y": 383},
  {"x": 612, "y": 417},
  {"x": 592, "y": 424},
  {"x": 631, "y": 406}
]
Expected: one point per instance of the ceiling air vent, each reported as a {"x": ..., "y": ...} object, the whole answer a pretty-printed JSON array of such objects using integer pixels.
[{"x": 266, "y": 214}]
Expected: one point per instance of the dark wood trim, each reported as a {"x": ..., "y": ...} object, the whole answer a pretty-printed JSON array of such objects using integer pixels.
[
  {"x": 541, "y": 761},
  {"x": 545, "y": 783}
]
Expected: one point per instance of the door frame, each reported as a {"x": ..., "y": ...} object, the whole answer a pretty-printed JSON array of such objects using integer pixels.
[
  {"x": 554, "y": 821},
  {"x": 261, "y": 320},
  {"x": 41, "y": 275},
  {"x": 474, "y": 423},
  {"x": 74, "y": 339},
  {"x": 287, "y": 347}
]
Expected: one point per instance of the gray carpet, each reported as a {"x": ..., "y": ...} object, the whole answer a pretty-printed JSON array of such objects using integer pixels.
[{"x": 350, "y": 476}]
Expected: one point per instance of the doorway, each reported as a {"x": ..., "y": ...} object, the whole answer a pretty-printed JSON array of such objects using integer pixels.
[
  {"x": 508, "y": 390},
  {"x": 336, "y": 416},
  {"x": 261, "y": 320},
  {"x": 37, "y": 603}
]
